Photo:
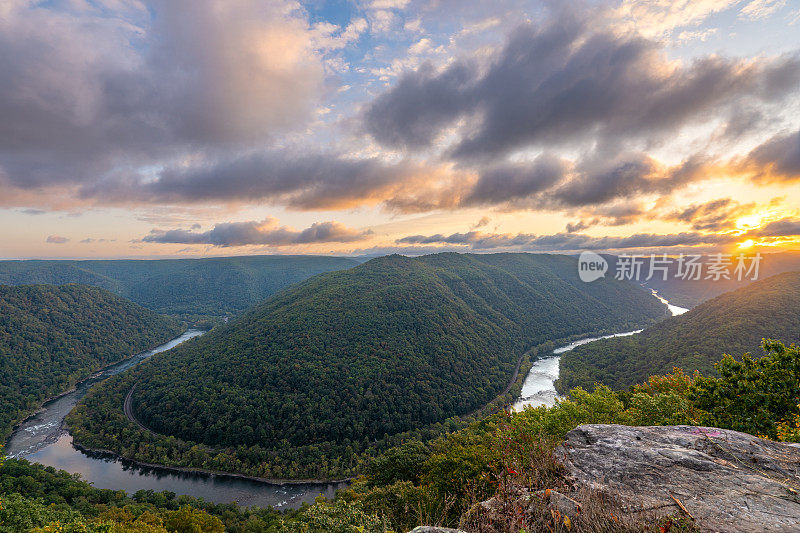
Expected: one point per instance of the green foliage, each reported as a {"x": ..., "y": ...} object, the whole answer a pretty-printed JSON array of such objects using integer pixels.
[
  {"x": 602, "y": 406},
  {"x": 190, "y": 288},
  {"x": 19, "y": 514},
  {"x": 35, "y": 496},
  {"x": 732, "y": 323},
  {"x": 438, "y": 482},
  {"x": 752, "y": 395},
  {"x": 334, "y": 517},
  {"x": 789, "y": 430},
  {"x": 190, "y": 520},
  {"x": 479, "y": 462},
  {"x": 52, "y": 337},
  {"x": 401, "y": 463},
  {"x": 343, "y": 364},
  {"x": 663, "y": 400}
]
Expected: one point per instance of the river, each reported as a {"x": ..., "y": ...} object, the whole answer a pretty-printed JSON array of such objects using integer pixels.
[
  {"x": 538, "y": 389},
  {"x": 43, "y": 439}
]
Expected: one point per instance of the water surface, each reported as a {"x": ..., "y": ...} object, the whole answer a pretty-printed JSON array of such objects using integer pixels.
[
  {"x": 538, "y": 389},
  {"x": 43, "y": 439}
]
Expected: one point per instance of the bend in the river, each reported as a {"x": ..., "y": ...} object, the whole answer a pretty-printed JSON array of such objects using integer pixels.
[
  {"x": 43, "y": 439},
  {"x": 538, "y": 388}
]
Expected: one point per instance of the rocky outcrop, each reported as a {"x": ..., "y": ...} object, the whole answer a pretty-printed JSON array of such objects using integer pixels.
[
  {"x": 518, "y": 504},
  {"x": 725, "y": 480},
  {"x": 432, "y": 529}
]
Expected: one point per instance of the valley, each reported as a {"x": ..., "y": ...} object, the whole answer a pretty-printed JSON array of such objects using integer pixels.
[
  {"x": 399, "y": 266},
  {"x": 532, "y": 314},
  {"x": 733, "y": 323},
  {"x": 44, "y": 440},
  {"x": 326, "y": 374}
]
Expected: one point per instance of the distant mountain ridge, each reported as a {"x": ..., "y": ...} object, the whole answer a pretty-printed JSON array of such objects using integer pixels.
[
  {"x": 186, "y": 287},
  {"x": 52, "y": 337},
  {"x": 732, "y": 323},
  {"x": 327, "y": 368},
  {"x": 690, "y": 292}
]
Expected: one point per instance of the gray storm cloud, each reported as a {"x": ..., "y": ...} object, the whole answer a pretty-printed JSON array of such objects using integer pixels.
[
  {"x": 300, "y": 180},
  {"x": 716, "y": 215},
  {"x": 182, "y": 103},
  {"x": 568, "y": 241},
  {"x": 564, "y": 82},
  {"x": 786, "y": 227},
  {"x": 499, "y": 183},
  {"x": 777, "y": 158},
  {"x": 85, "y": 94},
  {"x": 266, "y": 232}
]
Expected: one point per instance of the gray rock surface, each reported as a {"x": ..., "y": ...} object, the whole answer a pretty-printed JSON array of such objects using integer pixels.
[
  {"x": 560, "y": 502},
  {"x": 727, "y": 480},
  {"x": 433, "y": 529}
]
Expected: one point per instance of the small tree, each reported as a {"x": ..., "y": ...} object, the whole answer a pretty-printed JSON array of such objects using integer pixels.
[{"x": 752, "y": 395}]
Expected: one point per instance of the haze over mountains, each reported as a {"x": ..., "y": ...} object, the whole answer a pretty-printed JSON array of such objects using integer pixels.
[
  {"x": 733, "y": 323},
  {"x": 187, "y": 287},
  {"x": 691, "y": 292}
]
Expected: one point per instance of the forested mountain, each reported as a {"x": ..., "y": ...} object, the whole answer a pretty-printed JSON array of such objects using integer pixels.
[
  {"x": 51, "y": 337},
  {"x": 186, "y": 287},
  {"x": 733, "y": 323},
  {"x": 323, "y": 370}
]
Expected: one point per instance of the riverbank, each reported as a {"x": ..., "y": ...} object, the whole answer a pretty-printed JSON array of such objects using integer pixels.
[
  {"x": 539, "y": 389},
  {"x": 503, "y": 400},
  {"x": 160, "y": 444},
  {"x": 545, "y": 370},
  {"x": 109, "y": 454},
  {"x": 81, "y": 385},
  {"x": 44, "y": 440},
  {"x": 94, "y": 374}
]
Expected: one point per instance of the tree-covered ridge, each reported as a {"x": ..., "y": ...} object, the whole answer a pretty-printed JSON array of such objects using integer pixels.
[
  {"x": 302, "y": 384},
  {"x": 186, "y": 287},
  {"x": 52, "y": 337},
  {"x": 732, "y": 323},
  {"x": 438, "y": 481}
]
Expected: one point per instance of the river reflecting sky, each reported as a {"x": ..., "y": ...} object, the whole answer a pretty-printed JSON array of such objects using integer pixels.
[{"x": 42, "y": 439}]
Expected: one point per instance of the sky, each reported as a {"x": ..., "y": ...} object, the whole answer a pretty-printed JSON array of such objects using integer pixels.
[{"x": 188, "y": 128}]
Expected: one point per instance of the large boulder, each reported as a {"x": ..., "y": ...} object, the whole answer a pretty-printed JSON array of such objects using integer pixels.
[{"x": 726, "y": 480}]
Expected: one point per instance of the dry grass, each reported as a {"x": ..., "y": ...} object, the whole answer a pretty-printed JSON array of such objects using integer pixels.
[{"x": 529, "y": 513}]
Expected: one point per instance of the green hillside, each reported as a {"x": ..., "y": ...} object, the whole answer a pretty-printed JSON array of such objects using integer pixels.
[
  {"x": 733, "y": 323},
  {"x": 186, "y": 287},
  {"x": 51, "y": 337},
  {"x": 301, "y": 385}
]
